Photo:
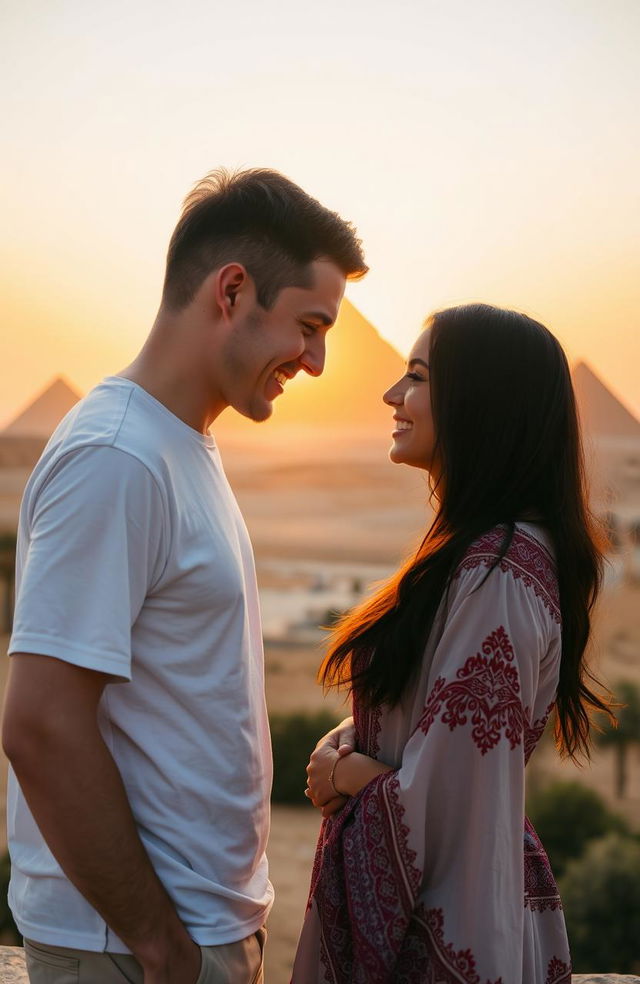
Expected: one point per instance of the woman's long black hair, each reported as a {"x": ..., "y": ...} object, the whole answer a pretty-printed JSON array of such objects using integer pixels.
[{"x": 508, "y": 447}]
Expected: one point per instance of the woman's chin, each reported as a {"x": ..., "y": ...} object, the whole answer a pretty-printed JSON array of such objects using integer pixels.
[
  {"x": 400, "y": 457},
  {"x": 396, "y": 455}
]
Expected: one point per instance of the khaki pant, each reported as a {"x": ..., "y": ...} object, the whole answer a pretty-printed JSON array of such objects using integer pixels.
[{"x": 230, "y": 963}]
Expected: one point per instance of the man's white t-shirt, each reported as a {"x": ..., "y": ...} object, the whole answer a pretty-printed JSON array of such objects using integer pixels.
[{"x": 133, "y": 559}]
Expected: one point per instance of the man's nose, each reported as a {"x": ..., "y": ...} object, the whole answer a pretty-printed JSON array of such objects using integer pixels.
[{"x": 313, "y": 357}]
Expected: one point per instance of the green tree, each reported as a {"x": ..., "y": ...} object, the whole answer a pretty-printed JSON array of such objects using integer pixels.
[
  {"x": 7, "y": 575},
  {"x": 567, "y": 815},
  {"x": 601, "y": 899},
  {"x": 293, "y": 737},
  {"x": 626, "y": 734}
]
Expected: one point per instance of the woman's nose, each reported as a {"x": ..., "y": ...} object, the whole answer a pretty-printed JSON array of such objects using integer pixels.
[{"x": 394, "y": 397}]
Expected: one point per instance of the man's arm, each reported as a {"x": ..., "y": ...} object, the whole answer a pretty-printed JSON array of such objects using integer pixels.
[{"x": 77, "y": 797}]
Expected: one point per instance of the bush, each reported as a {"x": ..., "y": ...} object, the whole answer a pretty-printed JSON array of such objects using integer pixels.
[
  {"x": 625, "y": 733},
  {"x": 293, "y": 737},
  {"x": 567, "y": 816},
  {"x": 601, "y": 899},
  {"x": 9, "y": 934}
]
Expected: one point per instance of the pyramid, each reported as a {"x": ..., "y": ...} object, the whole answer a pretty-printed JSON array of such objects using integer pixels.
[
  {"x": 360, "y": 366},
  {"x": 41, "y": 417},
  {"x": 601, "y": 413}
]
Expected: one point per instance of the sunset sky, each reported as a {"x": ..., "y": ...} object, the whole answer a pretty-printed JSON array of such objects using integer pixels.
[{"x": 484, "y": 150}]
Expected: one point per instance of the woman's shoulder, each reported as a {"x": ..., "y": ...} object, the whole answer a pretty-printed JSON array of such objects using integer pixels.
[{"x": 527, "y": 561}]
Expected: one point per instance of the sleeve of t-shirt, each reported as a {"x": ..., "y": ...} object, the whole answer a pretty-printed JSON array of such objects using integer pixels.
[{"x": 92, "y": 551}]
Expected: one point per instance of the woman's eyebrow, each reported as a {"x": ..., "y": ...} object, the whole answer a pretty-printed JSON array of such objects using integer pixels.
[{"x": 414, "y": 362}]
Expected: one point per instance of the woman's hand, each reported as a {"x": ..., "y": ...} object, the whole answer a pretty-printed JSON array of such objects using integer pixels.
[
  {"x": 340, "y": 740},
  {"x": 351, "y": 771},
  {"x": 343, "y": 736},
  {"x": 319, "y": 788}
]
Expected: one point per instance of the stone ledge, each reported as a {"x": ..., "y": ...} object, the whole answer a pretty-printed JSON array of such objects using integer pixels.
[
  {"x": 605, "y": 979},
  {"x": 13, "y": 971},
  {"x": 12, "y": 968}
]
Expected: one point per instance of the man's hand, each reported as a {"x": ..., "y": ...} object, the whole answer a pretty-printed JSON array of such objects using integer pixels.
[
  {"x": 182, "y": 965},
  {"x": 76, "y": 794}
]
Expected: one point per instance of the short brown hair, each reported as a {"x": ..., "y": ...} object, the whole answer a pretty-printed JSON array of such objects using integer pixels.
[{"x": 266, "y": 222}]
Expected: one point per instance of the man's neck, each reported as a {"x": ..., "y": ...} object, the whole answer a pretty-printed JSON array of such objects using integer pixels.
[{"x": 175, "y": 381}]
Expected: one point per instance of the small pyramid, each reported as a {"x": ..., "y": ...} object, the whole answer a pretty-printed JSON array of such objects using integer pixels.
[
  {"x": 41, "y": 417},
  {"x": 601, "y": 413}
]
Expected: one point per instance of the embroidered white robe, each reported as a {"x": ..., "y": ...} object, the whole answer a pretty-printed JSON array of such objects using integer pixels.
[{"x": 431, "y": 874}]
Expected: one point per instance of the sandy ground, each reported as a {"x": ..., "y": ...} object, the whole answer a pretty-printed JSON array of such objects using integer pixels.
[
  {"x": 291, "y": 682},
  {"x": 294, "y": 831}
]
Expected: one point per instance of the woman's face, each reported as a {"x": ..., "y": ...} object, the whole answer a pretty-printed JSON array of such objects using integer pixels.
[{"x": 414, "y": 433}]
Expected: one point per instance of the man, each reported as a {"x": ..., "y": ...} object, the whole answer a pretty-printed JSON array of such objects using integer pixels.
[{"x": 135, "y": 720}]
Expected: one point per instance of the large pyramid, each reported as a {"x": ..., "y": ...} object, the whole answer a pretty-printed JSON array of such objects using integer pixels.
[
  {"x": 43, "y": 414},
  {"x": 602, "y": 414},
  {"x": 348, "y": 396},
  {"x": 360, "y": 366}
]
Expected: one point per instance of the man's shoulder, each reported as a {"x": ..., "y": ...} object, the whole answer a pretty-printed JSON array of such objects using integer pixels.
[
  {"x": 107, "y": 431},
  {"x": 113, "y": 416},
  {"x": 96, "y": 418}
]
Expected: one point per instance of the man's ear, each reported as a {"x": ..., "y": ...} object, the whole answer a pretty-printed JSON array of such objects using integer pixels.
[{"x": 231, "y": 287}]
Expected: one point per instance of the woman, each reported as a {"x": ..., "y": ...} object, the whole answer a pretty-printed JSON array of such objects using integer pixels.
[{"x": 430, "y": 872}]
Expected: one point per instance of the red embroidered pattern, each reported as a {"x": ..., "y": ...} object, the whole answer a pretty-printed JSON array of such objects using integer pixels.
[
  {"x": 427, "y": 959},
  {"x": 368, "y": 725},
  {"x": 365, "y": 884},
  {"x": 366, "y": 879},
  {"x": 487, "y": 689},
  {"x": 540, "y": 889},
  {"x": 533, "y": 733},
  {"x": 526, "y": 559},
  {"x": 558, "y": 972}
]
